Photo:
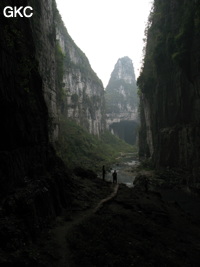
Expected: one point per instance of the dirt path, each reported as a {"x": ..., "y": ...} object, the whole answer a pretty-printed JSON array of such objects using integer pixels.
[
  {"x": 126, "y": 227},
  {"x": 63, "y": 227},
  {"x": 135, "y": 228},
  {"x": 103, "y": 201}
]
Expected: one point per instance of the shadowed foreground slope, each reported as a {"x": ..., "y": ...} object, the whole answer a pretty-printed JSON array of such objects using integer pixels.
[{"x": 133, "y": 229}]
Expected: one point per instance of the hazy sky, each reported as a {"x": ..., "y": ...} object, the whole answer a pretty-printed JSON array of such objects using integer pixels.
[{"x": 106, "y": 30}]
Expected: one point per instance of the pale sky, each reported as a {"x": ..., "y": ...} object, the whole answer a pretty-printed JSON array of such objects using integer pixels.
[{"x": 106, "y": 30}]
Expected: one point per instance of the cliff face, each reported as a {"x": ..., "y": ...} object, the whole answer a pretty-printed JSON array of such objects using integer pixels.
[
  {"x": 82, "y": 92},
  {"x": 122, "y": 101},
  {"x": 170, "y": 87},
  {"x": 44, "y": 33},
  {"x": 70, "y": 86},
  {"x": 34, "y": 184}
]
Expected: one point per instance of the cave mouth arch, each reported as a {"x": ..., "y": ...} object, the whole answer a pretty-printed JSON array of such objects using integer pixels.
[{"x": 125, "y": 130}]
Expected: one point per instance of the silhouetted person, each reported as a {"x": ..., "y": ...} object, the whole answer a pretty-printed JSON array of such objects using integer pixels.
[
  {"x": 114, "y": 177},
  {"x": 103, "y": 172}
]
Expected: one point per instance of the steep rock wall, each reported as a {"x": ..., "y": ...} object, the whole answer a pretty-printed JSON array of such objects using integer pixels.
[
  {"x": 34, "y": 183},
  {"x": 70, "y": 86},
  {"x": 44, "y": 38},
  {"x": 82, "y": 91},
  {"x": 170, "y": 87},
  {"x": 34, "y": 186},
  {"x": 122, "y": 100}
]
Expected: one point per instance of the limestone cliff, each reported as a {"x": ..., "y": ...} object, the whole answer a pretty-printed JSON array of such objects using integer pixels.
[
  {"x": 170, "y": 87},
  {"x": 44, "y": 38},
  {"x": 82, "y": 91},
  {"x": 70, "y": 86},
  {"x": 122, "y": 101},
  {"x": 34, "y": 183}
]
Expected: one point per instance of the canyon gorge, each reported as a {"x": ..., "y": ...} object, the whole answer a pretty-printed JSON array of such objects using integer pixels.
[{"x": 55, "y": 111}]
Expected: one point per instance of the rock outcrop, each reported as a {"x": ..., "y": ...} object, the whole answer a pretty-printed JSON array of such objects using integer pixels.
[
  {"x": 170, "y": 87},
  {"x": 44, "y": 38},
  {"x": 34, "y": 183},
  {"x": 70, "y": 86},
  {"x": 122, "y": 101},
  {"x": 82, "y": 91}
]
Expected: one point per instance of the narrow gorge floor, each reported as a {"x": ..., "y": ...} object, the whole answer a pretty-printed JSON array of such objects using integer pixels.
[{"x": 121, "y": 226}]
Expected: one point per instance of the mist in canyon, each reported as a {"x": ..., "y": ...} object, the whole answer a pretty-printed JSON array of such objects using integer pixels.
[{"x": 60, "y": 126}]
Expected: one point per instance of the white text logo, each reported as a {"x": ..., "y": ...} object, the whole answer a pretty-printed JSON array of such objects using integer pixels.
[{"x": 10, "y": 12}]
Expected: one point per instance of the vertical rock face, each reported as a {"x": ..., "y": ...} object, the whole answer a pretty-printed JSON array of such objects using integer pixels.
[
  {"x": 34, "y": 186},
  {"x": 170, "y": 87},
  {"x": 44, "y": 38},
  {"x": 122, "y": 101},
  {"x": 24, "y": 115},
  {"x": 82, "y": 91},
  {"x": 31, "y": 96},
  {"x": 70, "y": 86}
]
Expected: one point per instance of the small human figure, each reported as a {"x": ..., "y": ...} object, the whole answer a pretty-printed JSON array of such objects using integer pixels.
[
  {"x": 103, "y": 172},
  {"x": 114, "y": 177}
]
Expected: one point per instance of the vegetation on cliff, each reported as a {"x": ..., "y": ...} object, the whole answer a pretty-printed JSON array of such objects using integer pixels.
[
  {"x": 34, "y": 183},
  {"x": 115, "y": 99},
  {"x": 80, "y": 92},
  {"x": 121, "y": 91},
  {"x": 83, "y": 64},
  {"x": 44, "y": 204},
  {"x": 121, "y": 101},
  {"x": 169, "y": 84},
  {"x": 77, "y": 147}
]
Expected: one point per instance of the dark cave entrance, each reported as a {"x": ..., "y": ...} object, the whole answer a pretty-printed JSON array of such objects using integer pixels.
[{"x": 126, "y": 130}]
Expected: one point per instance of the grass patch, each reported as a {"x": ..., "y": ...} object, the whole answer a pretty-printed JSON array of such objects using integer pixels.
[{"x": 77, "y": 147}]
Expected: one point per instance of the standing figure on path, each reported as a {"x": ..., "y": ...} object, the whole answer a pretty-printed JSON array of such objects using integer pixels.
[
  {"x": 114, "y": 177},
  {"x": 103, "y": 172}
]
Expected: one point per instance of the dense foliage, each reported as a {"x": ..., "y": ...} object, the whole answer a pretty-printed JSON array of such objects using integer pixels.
[
  {"x": 79, "y": 148},
  {"x": 170, "y": 31},
  {"x": 169, "y": 85}
]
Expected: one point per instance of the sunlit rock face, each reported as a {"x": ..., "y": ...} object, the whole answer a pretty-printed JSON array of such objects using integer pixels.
[
  {"x": 70, "y": 86},
  {"x": 83, "y": 92},
  {"x": 122, "y": 101},
  {"x": 170, "y": 88}
]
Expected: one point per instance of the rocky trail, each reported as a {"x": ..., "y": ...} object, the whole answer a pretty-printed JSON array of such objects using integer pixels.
[
  {"x": 61, "y": 231},
  {"x": 91, "y": 196},
  {"x": 120, "y": 226}
]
